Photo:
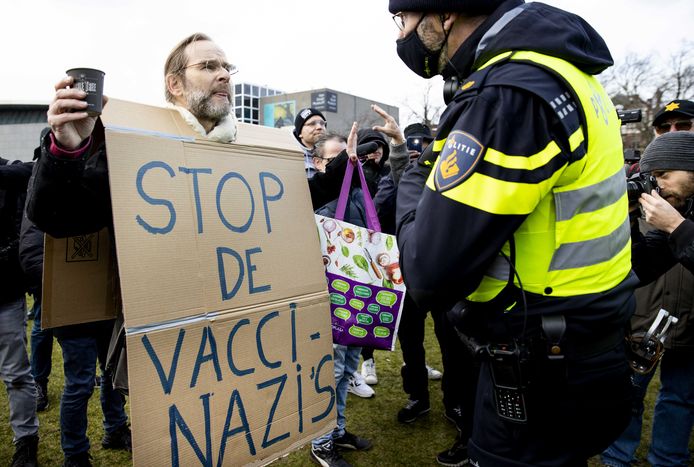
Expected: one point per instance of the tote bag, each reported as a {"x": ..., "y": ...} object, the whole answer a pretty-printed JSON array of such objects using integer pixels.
[{"x": 363, "y": 273}]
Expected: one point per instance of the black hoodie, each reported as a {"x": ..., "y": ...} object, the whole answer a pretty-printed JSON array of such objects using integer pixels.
[{"x": 532, "y": 26}]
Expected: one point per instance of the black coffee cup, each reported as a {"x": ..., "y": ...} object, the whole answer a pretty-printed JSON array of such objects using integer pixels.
[{"x": 90, "y": 81}]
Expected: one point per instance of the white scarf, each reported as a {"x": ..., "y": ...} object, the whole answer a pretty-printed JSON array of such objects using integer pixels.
[{"x": 224, "y": 132}]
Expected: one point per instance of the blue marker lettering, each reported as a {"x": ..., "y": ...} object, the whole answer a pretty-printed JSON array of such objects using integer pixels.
[
  {"x": 196, "y": 190},
  {"x": 266, "y": 197},
  {"x": 259, "y": 341},
  {"x": 319, "y": 389},
  {"x": 176, "y": 420},
  {"x": 166, "y": 381},
  {"x": 243, "y": 428},
  {"x": 226, "y": 293},
  {"x": 224, "y": 220},
  {"x": 207, "y": 335},
  {"x": 155, "y": 201},
  {"x": 232, "y": 333},
  {"x": 251, "y": 267},
  {"x": 279, "y": 380}
]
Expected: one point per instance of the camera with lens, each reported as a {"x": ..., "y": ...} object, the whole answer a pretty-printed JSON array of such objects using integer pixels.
[{"x": 641, "y": 183}]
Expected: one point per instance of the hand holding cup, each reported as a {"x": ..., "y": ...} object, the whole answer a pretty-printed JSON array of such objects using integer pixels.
[{"x": 72, "y": 113}]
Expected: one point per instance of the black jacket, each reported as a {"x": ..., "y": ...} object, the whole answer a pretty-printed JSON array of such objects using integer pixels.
[
  {"x": 13, "y": 184},
  {"x": 446, "y": 246},
  {"x": 665, "y": 263},
  {"x": 71, "y": 197}
]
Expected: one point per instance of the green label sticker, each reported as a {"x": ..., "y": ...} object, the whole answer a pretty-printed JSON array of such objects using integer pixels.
[
  {"x": 342, "y": 313},
  {"x": 337, "y": 299},
  {"x": 373, "y": 308},
  {"x": 386, "y": 317},
  {"x": 356, "y": 331},
  {"x": 361, "y": 291},
  {"x": 386, "y": 298},
  {"x": 380, "y": 331},
  {"x": 363, "y": 318},
  {"x": 356, "y": 304},
  {"x": 340, "y": 285}
]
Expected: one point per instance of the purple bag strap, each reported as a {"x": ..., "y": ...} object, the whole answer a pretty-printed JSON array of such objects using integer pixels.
[{"x": 371, "y": 216}]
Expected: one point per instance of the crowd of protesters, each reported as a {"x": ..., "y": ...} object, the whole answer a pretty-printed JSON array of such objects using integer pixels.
[{"x": 416, "y": 178}]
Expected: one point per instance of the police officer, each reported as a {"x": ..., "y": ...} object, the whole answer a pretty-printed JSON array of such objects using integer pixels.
[{"x": 517, "y": 218}]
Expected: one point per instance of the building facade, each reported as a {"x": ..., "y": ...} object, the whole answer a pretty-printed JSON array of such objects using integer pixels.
[
  {"x": 340, "y": 109},
  {"x": 20, "y": 129},
  {"x": 247, "y": 101}
]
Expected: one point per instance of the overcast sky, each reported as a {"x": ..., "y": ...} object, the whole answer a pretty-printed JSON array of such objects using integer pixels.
[{"x": 292, "y": 45}]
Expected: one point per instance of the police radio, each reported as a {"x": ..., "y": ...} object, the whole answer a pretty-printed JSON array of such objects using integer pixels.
[
  {"x": 507, "y": 366},
  {"x": 645, "y": 349}
]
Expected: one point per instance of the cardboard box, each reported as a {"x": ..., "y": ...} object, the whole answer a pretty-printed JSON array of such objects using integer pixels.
[
  {"x": 223, "y": 291},
  {"x": 80, "y": 280}
]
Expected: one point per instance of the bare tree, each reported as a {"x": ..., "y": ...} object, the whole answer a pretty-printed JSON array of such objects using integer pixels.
[
  {"x": 682, "y": 78},
  {"x": 641, "y": 82},
  {"x": 428, "y": 108}
]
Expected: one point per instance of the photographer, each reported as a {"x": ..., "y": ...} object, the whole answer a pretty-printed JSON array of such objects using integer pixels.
[{"x": 663, "y": 258}]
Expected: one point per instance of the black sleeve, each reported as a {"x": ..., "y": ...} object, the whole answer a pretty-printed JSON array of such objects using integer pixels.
[
  {"x": 70, "y": 196},
  {"x": 15, "y": 177},
  {"x": 325, "y": 186},
  {"x": 656, "y": 252},
  {"x": 681, "y": 244},
  {"x": 447, "y": 243}
]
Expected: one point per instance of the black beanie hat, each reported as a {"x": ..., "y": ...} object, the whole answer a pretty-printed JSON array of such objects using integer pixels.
[
  {"x": 301, "y": 117},
  {"x": 366, "y": 135},
  {"x": 470, "y": 7},
  {"x": 671, "y": 151}
]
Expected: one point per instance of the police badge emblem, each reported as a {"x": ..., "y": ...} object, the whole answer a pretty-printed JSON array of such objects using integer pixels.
[{"x": 460, "y": 155}]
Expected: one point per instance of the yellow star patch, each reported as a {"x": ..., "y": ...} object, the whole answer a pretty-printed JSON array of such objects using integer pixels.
[{"x": 672, "y": 106}]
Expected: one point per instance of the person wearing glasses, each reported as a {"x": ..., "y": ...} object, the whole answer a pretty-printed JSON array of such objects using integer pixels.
[
  {"x": 70, "y": 196},
  {"x": 309, "y": 126},
  {"x": 516, "y": 220},
  {"x": 675, "y": 116},
  {"x": 669, "y": 285}
]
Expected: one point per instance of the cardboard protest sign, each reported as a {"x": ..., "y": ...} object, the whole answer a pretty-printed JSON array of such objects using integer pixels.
[{"x": 223, "y": 291}]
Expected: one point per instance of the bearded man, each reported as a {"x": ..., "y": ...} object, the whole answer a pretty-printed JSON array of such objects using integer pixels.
[{"x": 70, "y": 196}]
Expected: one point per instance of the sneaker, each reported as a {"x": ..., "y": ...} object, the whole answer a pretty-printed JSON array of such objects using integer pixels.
[
  {"x": 412, "y": 410},
  {"x": 25, "y": 450},
  {"x": 118, "y": 439},
  {"x": 41, "y": 397},
  {"x": 368, "y": 371},
  {"x": 456, "y": 456},
  {"x": 327, "y": 456},
  {"x": 83, "y": 459},
  {"x": 434, "y": 374},
  {"x": 352, "y": 442},
  {"x": 358, "y": 386},
  {"x": 455, "y": 416}
]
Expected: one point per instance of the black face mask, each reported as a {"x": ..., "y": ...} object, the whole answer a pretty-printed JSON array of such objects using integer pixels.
[{"x": 416, "y": 56}]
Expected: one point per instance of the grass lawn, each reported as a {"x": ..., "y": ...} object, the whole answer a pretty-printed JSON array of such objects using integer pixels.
[{"x": 395, "y": 444}]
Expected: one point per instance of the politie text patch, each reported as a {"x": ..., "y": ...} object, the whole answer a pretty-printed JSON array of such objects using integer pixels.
[{"x": 457, "y": 161}]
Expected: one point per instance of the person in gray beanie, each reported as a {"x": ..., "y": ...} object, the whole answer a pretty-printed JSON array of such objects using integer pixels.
[
  {"x": 501, "y": 228},
  {"x": 670, "y": 158},
  {"x": 663, "y": 260}
]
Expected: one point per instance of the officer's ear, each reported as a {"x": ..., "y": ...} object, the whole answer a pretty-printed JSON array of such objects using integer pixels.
[{"x": 448, "y": 19}]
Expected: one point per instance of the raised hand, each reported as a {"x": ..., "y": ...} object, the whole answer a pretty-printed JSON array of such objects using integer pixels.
[
  {"x": 67, "y": 116},
  {"x": 390, "y": 126}
]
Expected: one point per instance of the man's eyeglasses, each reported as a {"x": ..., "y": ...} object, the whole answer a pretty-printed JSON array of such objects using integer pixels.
[
  {"x": 317, "y": 122},
  {"x": 213, "y": 66},
  {"x": 679, "y": 125},
  {"x": 399, "y": 20}
]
